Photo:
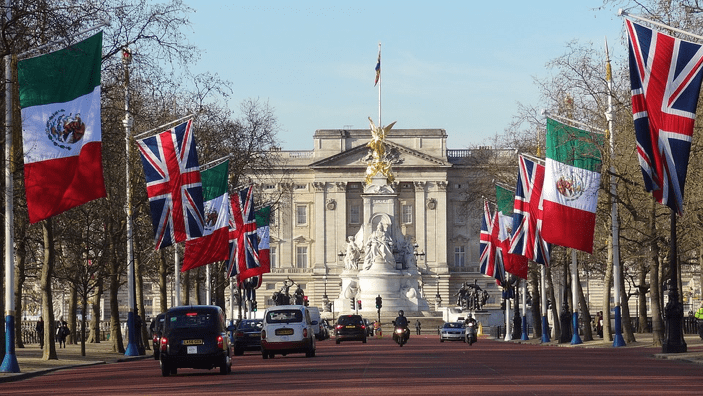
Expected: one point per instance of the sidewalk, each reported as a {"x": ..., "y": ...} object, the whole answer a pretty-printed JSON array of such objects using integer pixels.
[
  {"x": 693, "y": 354},
  {"x": 31, "y": 364}
]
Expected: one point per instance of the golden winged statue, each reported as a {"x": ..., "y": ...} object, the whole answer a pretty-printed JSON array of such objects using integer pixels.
[{"x": 377, "y": 145}]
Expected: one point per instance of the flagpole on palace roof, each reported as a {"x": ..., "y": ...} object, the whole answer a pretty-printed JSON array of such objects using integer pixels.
[
  {"x": 379, "y": 78},
  {"x": 9, "y": 362},
  {"x": 618, "y": 340}
]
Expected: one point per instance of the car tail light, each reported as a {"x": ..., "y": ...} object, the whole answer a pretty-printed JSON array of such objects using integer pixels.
[
  {"x": 164, "y": 343},
  {"x": 339, "y": 326},
  {"x": 263, "y": 334},
  {"x": 305, "y": 333},
  {"x": 240, "y": 334},
  {"x": 220, "y": 342},
  {"x": 363, "y": 327}
]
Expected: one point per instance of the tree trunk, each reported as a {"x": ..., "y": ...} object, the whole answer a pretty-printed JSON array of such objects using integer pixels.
[
  {"x": 20, "y": 277},
  {"x": 115, "y": 329},
  {"x": 220, "y": 289},
  {"x": 628, "y": 334},
  {"x": 163, "y": 287},
  {"x": 607, "y": 290},
  {"x": 186, "y": 287},
  {"x": 554, "y": 307},
  {"x": 655, "y": 284},
  {"x": 139, "y": 285},
  {"x": 95, "y": 309},
  {"x": 642, "y": 298},
  {"x": 47, "y": 271},
  {"x": 84, "y": 308},
  {"x": 197, "y": 285},
  {"x": 536, "y": 301},
  {"x": 585, "y": 312},
  {"x": 72, "y": 314}
]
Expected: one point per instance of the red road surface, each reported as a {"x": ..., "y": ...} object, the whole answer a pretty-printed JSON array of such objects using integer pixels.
[{"x": 424, "y": 367}]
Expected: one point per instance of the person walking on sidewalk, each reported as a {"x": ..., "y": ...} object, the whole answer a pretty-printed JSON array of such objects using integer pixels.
[
  {"x": 418, "y": 326},
  {"x": 62, "y": 332},
  {"x": 699, "y": 318},
  {"x": 40, "y": 332}
]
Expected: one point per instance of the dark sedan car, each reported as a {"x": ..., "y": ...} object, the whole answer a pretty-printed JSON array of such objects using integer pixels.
[
  {"x": 195, "y": 337},
  {"x": 350, "y": 327},
  {"x": 247, "y": 336},
  {"x": 155, "y": 329}
]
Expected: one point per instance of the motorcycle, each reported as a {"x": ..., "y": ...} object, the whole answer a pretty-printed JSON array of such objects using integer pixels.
[
  {"x": 471, "y": 336},
  {"x": 401, "y": 335}
]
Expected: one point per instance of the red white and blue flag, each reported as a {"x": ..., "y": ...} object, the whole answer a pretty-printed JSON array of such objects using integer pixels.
[
  {"x": 173, "y": 185},
  {"x": 243, "y": 258},
  {"x": 665, "y": 76},
  {"x": 527, "y": 216},
  {"x": 490, "y": 261},
  {"x": 378, "y": 67}
]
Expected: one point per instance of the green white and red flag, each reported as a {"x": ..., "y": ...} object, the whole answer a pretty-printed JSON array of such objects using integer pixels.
[{"x": 61, "y": 128}]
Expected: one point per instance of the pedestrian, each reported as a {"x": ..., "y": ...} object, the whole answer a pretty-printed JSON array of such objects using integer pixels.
[
  {"x": 62, "y": 332},
  {"x": 599, "y": 324},
  {"x": 418, "y": 326},
  {"x": 40, "y": 332},
  {"x": 699, "y": 318}
]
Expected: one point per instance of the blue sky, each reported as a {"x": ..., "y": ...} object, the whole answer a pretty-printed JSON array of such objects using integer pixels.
[{"x": 461, "y": 65}]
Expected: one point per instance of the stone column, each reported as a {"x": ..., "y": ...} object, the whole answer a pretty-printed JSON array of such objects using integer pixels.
[
  {"x": 441, "y": 226},
  {"x": 317, "y": 220},
  {"x": 421, "y": 222}
]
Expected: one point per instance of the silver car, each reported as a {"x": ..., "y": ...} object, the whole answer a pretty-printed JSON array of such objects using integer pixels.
[{"x": 452, "y": 331}]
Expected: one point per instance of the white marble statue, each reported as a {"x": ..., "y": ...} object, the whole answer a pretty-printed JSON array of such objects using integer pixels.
[
  {"x": 379, "y": 247},
  {"x": 351, "y": 259}
]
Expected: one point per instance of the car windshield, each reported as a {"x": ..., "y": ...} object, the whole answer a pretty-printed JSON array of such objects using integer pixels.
[
  {"x": 453, "y": 325},
  {"x": 187, "y": 320},
  {"x": 284, "y": 316},
  {"x": 250, "y": 325},
  {"x": 350, "y": 320}
]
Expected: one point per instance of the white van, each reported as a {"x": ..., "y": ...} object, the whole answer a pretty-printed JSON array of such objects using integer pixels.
[
  {"x": 316, "y": 320},
  {"x": 287, "y": 329}
]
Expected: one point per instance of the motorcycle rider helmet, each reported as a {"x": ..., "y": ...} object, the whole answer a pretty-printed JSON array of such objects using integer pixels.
[{"x": 401, "y": 313}]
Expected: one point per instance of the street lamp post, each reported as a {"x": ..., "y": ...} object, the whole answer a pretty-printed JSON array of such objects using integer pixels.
[{"x": 325, "y": 299}]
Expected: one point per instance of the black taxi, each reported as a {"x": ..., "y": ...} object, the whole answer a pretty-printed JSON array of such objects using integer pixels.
[{"x": 194, "y": 336}]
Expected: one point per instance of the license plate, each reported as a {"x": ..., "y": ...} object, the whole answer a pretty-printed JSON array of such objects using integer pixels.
[
  {"x": 255, "y": 335},
  {"x": 192, "y": 342},
  {"x": 192, "y": 350},
  {"x": 280, "y": 332},
  {"x": 351, "y": 327}
]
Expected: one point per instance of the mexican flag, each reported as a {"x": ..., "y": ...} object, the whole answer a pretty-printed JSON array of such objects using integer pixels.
[
  {"x": 60, "y": 100},
  {"x": 513, "y": 263},
  {"x": 572, "y": 178},
  {"x": 263, "y": 219},
  {"x": 213, "y": 246}
]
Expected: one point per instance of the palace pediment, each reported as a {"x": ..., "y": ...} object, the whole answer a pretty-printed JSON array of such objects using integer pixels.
[{"x": 400, "y": 157}]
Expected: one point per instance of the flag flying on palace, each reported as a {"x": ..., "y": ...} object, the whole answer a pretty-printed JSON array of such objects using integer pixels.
[
  {"x": 378, "y": 67},
  {"x": 490, "y": 264},
  {"x": 571, "y": 183},
  {"x": 61, "y": 128},
  {"x": 513, "y": 263},
  {"x": 527, "y": 218},
  {"x": 214, "y": 244},
  {"x": 173, "y": 184},
  {"x": 665, "y": 77}
]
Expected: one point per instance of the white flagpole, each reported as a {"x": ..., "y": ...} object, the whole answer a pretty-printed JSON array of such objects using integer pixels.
[
  {"x": 132, "y": 347},
  {"x": 208, "y": 299},
  {"x": 624, "y": 13},
  {"x": 615, "y": 230},
  {"x": 9, "y": 362}
]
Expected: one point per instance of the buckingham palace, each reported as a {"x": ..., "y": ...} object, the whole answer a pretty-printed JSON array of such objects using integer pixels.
[{"x": 321, "y": 208}]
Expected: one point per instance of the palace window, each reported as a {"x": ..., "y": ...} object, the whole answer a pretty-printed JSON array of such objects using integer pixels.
[
  {"x": 301, "y": 256},
  {"x": 272, "y": 257},
  {"x": 355, "y": 214},
  {"x": 407, "y": 214},
  {"x": 301, "y": 215},
  {"x": 459, "y": 256}
]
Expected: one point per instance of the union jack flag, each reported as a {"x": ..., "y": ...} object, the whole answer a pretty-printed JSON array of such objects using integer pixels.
[
  {"x": 173, "y": 184},
  {"x": 665, "y": 76},
  {"x": 527, "y": 216},
  {"x": 490, "y": 260},
  {"x": 243, "y": 260}
]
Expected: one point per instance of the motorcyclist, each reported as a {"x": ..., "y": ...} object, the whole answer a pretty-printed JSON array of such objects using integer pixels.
[
  {"x": 470, "y": 333},
  {"x": 470, "y": 319},
  {"x": 401, "y": 320}
]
